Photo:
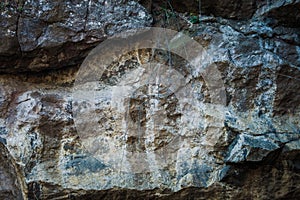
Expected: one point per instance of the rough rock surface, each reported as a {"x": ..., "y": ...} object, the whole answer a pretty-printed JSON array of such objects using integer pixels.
[
  {"x": 247, "y": 147},
  {"x": 41, "y": 34},
  {"x": 10, "y": 185}
]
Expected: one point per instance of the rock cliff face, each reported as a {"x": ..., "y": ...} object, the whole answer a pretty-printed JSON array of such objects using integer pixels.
[
  {"x": 185, "y": 129},
  {"x": 39, "y": 35}
]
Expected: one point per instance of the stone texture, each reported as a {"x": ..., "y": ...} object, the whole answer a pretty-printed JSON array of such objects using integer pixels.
[
  {"x": 246, "y": 148},
  {"x": 283, "y": 12},
  {"x": 10, "y": 185},
  {"x": 42, "y": 34}
]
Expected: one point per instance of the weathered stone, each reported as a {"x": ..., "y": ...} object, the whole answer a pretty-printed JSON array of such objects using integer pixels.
[
  {"x": 245, "y": 148},
  {"x": 283, "y": 12},
  {"x": 226, "y": 9},
  {"x": 11, "y": 179},
  {"x": 250, "y": 148},
  {"x": 59, "y": 34},
  {"x": 287, "y": 98}
]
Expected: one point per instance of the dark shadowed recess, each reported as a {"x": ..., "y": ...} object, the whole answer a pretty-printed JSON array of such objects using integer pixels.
[
  {"x": 281, "y": 12},
  {"x": 9, "y": 185}
]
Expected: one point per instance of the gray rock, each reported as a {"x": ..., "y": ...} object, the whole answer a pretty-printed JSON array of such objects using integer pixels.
[
  {"x": 282, "y": 12},
  {"x": 227, "y": 9},
  {"x": 59, "y": 34},
  {"x": 8, "y": 22},
  {"x": 10, "y": 185},
  {"x": 250, "y": 148},
  {"x": 247, "y": 148}
]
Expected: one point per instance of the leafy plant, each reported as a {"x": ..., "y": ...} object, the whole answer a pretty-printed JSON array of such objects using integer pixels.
[
  {"x": 168, "y": 13},
  {"x": 20, "y": 8},
  {"x": 3, "y": 5},
  {"x": 194, "y": 19},
  {"x": 17, "y": 4}
]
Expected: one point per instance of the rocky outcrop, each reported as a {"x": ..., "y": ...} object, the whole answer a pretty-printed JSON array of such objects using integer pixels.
[
  {"x": 39, "y": 35},
  {"x": 12, "y": 183},
  {"x": 226, "y": 127},
  {"x": 284, "y": 12}
]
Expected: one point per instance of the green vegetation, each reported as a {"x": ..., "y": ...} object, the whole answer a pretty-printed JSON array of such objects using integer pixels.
[
  {"x": 20, "y": 8},
  {"x": 168, "y": 13},
  {"x": 3, "y": 5},
  {"x": 16, "y": 4},
  {"x": 194, "y": 19}
]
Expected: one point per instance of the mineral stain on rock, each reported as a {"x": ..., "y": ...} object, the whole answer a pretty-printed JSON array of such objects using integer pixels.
[{"x": 248, "y": 148}]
